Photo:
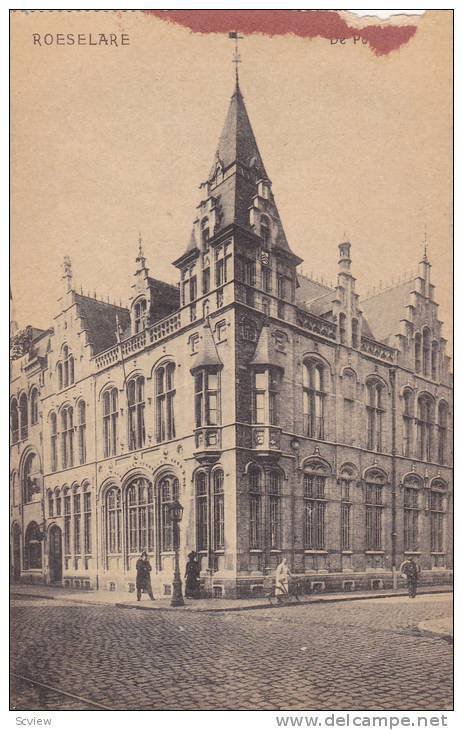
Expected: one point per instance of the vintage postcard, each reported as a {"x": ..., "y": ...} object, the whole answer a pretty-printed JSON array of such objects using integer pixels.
[{"x": 231, "y": 361}]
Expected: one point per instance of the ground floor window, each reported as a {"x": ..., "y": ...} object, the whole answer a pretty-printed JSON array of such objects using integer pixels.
[
  {"x": 33, "y": 547},
  {"x": 314, "y": 512}
]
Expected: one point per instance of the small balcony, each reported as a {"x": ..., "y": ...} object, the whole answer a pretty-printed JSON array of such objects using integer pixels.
[
  {"x": 208, "y": 443},
  {"x": 266, "y": 439}
]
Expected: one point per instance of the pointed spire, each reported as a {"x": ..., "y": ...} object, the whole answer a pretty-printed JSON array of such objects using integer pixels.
[
  {"x": 425, "y": 245},
  {"x": 140, "y": 260},
  {"x": 67, "y": 273}
]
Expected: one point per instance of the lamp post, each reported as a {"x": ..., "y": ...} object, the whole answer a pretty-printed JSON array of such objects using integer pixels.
[{"x": 176, "y": 514}]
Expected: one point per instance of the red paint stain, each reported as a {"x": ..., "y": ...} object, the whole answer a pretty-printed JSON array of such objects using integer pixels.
[{"x": 382, "y": 39}]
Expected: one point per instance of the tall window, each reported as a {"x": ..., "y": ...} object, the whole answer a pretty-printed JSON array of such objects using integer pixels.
[
  {"x": 314, "y": 512},
  {"x": 418, "y": 352},
  {"x": 205, "y": 232},
  {"x": 425, "y": 427},
  {"x": 355, "y": 333},
  {"x": 348, "y": 390},
  {"x": 67, "y": 522},
  {"x": 34, "y": 406},
  {"x": 67, "y": 437},
  {"x": 53, "y": 442},
  {"x": 342, "y": 328},
  {"x": 313, "y": 399},
  {"x": 206, "y": 279},
  {"x": 14, "y": 421},
  {"x": 193, "y": 288},
  {"x": 264, "y": 231},
  {"x": 265, "y": 396},
  {"x": 206, "y": 398},
  {"x": 407, "y": 421},
  {"x": 113, "y": 521},
  {"x": 165, "y": 396},
  {"x": 219, "y": 520},
  {"x": 87, "y": 523},
  {"x": 411, "y": 516},
  {"x": 68, "y": 367},
  {"x": 375, "y": 410},
  {"x": 33, "y": 547},
  {"x": 136, "y": 401},
  {"x": 222, "y": 264},
  {"x": 50, "y": 503},
  {"x": 346, "y": 514},
  {"x": 31, "y": 469},
  {"x": 81, "y": 433},
  {"x": 169, "y": 491},
  {"x": 23, "y": 420},
  {"x": 110, "y": 417},
  {"x": 58, "y": 502},
  {"x": 255, "y": 509},
  {"x": 59, "y": 370},
  {"x": 201, "y": 511},
  {"x": 140, "y": 315},
  {"x": 436, "y": 509},
  {"x": 77, "y": 522},
  {"x": 274, "y": 490},
  {"x": 435, "y": 360},
  {"x": 267, "y": 279},
  {"x": 140, "y": 516},
  {"x": 442, "y": 432},
  {"x": 373, "y": 515},
  {"x": 426, "y": 352}
]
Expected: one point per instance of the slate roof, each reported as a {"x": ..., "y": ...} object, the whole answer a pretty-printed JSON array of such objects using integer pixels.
[
  {"x": 100, "y": 321},
  {"x": 386, "y": 309}
]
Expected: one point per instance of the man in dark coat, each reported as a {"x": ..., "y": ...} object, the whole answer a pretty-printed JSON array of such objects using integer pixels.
[
  {"x": 143, "y": 582},
  {"x": 410, "y": 570}
]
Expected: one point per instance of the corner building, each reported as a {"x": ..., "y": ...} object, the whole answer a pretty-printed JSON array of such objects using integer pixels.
[{"x": 288, "y": 417}]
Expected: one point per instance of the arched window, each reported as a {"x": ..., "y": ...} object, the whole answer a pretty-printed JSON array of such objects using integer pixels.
[
  {"x": 81, "y": 432},
  {"x": 34, "y": 406},
  {"x": 14, "y": 421},
  {"x": 437, "y": 512},
  {"x": 407, "y": 421},
  {"x": 265, "y": 230},
  {"x": 374, "y": 483},
  {"x": 68, "y": 367},
  {"x": 274, "y": 490},
  {"x": 346, "y": 483},
  {"x": 348, "y": 391},
  {"x": 314, "y": 399},
  {"x": 411, "y": 512},
  {"x": 140, "y": 315},
  {"x": 23, "y": 420},
  {"x": 219, "y": 513},
  {"x": 110, "y": 419},
  {"x": 77, "y": 514},
  {"x": 169, "y": 491},
  {"x": 87, "y": 520},
  {"x": 140, "y": 516},
  {"x": 165, "y": 397},
  {"x": 58, "y": 502},
  {"x": 67, "y": 437},
  {"x": 50, "y": 502},
  {"x": 53, "y": 442},
  {"x": 136, "y": 400},
  {"x": 435, "y": 360},
  {"x": 59, "y": 370},
  {"x": 255, "y": 508},
  {"x": 418, "y": 352},
  {"x": 67, "y": 521},
  {"x": 113, "y": 521},
  {"x": 426, "y": 352},
  {"x": 205, "y": 232},
  {"x": 314, "y": 507},
  {"x": 375, "y": 411},
  {"x": 31, "y": 478},
  {"x": 342, "y": 328},
  {"x": 425, "y": 424},
  {"x": 442, "y": 426},
  {"x": 355, "y": 333},
  {"x": 33, "y": 547},
  {"x": 201, "y": 512}
]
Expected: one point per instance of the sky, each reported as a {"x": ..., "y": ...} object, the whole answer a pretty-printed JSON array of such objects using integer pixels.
[{"x": 107, "y": 143}]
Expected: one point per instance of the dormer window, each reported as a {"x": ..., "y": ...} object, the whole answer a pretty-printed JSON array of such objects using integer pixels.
[{"x": 140, "y": 315}]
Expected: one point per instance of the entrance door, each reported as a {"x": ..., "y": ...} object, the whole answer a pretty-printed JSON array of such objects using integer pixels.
[
  {"x": 16, "y": 553},
  {"x": 55, "y": 559}
]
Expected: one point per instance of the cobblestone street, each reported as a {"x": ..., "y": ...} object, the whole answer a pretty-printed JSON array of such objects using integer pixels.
[{"x": 360, "y": 655}]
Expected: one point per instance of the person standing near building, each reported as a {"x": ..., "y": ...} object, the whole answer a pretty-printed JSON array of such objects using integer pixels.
[
  {"x": 410, "y": 570},
  {"x": 192, "y": 576},
  {"x": 282, "y": 576},
  {"x": 143, "y": 582}
]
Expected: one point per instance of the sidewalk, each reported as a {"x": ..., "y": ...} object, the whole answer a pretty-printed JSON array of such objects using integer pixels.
[
  {"x": 442, "y": 627},
  {"x": 206, "y": 605}
]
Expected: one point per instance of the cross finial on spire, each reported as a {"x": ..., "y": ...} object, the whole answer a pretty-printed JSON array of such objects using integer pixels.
[
  {"x": 140, "y": 246},
  {"x": 236, "y": 56},
  {"x": 425, "y": 243}
]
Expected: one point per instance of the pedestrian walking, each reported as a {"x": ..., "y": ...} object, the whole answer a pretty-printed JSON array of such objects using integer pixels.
[
  {"x": 282, "y": 576},
  {"x": 410, "y": 570},
  {"x": 143, "y": 576},
  {"x": 192, "y": 576}
]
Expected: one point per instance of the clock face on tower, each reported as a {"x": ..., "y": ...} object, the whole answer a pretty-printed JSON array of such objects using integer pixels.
[{"x": 264, "y": 258}]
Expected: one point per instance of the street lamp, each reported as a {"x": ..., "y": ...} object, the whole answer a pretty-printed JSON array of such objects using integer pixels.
[{"x": 176, "y": 514}]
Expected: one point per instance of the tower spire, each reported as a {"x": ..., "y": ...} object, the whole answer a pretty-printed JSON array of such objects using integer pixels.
[{"x": 425, "y": 243}]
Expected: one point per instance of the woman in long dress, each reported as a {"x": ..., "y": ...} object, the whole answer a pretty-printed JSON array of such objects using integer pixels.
[
  {"x": 282, "y": 576},
  {"x": 192, "y": 576}
]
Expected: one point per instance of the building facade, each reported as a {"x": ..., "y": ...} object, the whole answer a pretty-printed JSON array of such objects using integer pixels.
[{"x": 288, "y": 417}]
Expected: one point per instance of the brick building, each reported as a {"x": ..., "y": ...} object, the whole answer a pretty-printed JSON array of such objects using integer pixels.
[{"x": 288, "y": 417}]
